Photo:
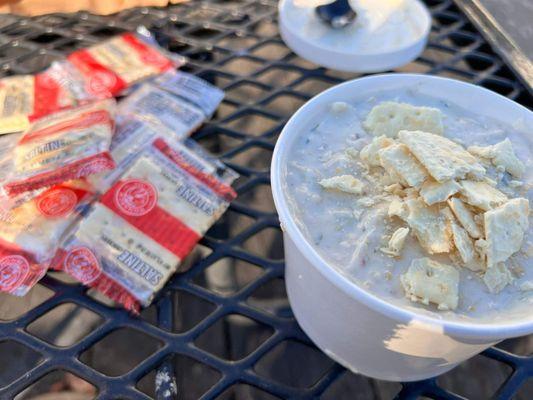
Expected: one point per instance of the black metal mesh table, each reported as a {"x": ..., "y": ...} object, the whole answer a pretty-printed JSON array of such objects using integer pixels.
[{"x": 222, "y": 328}]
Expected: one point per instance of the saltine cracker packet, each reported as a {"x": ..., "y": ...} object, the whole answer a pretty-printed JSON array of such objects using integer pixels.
[
  {"x": 70, "y": 144},
  {"x": 24, "y": 98},
  {"x": 112, "y": 66},
  {"x": 174, "y": 115},
  {"x": 177, "y": 102},
  {"x": 138, "y": 233},
  {"x": 31, "y": 232},
  {"x": 192, "y": 89}
]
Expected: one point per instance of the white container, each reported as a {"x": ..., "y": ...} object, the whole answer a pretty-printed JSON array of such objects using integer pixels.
[
  {"x": 357, "y": 329},
  {"x": 350, "y": 58}
]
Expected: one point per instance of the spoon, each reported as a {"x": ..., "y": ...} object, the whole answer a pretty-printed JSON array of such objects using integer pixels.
[{"x": 337, "y": 14}]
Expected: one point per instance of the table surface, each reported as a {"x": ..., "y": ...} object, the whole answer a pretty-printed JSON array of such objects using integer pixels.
[
  {"x": 507, "y": 26},
  {"x": 223, "y": 328},
  {"x": 515, "y": 18}
]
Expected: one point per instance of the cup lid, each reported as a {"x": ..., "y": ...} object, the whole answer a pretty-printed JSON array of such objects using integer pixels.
[{"x": 386, "y": 34}]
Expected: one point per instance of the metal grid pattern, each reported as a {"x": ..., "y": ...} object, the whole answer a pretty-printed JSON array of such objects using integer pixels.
[{"x": 234, "y": 43}]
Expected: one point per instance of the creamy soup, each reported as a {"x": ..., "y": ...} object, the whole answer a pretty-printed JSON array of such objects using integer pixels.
[{"x": 351, "y": 231}]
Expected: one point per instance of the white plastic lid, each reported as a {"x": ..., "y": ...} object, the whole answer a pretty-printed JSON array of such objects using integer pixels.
[{"x": 386, "y": 34}]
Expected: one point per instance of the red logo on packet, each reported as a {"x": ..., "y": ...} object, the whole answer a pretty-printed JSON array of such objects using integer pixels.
[
  {"x": 13, "y": 270},
  {"x": 57, "y": 202},
  {"x": 101, "y": 83},
  {"x": 135, "y": 197},
  {"x": 82, "y": 264},
  {"x": 95, "y": 166}
]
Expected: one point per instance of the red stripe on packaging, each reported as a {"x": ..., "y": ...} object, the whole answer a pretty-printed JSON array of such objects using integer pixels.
[
  {"x": 148, "y": 54},
  {"x": 116, "y": 292},
  {"x": 135, "y": 201},
  {"x": 10, "y": 248},
  {"x": 79, "y": 169},
  {"x": 46, "y": 95},
  {"x": 85, "y": 120},
  {"x": 220, "y": 188},
  {"x": 85, "y": 268},
  {"x": 100, "y": 80}
]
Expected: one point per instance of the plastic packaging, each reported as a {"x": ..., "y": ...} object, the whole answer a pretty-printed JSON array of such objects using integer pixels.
[
  {"x": 18, "y": 271},
  {"x": 192, "y": 89},
  {"x": 110, "y": 67},
  {"x": 26, "y": 97},
  {"x": 134, "y": 134},
  {"x": 31, "y": 232},
  {"x": 176, "y": 116},
  {"x": 7, "y": 146},
  {"x": 8, "y": 203},
  {"x": 70, "y": 144},
  {"x": 140, "y": 230},
  {"x": 131, "y": 136},
  {"x": 98, "y": 72},
  {"x": 72, "y": 83}
]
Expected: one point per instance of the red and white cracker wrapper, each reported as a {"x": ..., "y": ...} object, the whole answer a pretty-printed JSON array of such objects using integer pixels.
[
  {"x": 112, "y": 66},
  {"x": 7, "y": 147},
  {"x": 72, "y": 83},
  {"x": 31, "y": 232},
  {"x": 26, "y": 97},
  {"x": 70, "y": 144},
  {"x": 18, "y": 271},
  {"x": 140, "y": 230}
]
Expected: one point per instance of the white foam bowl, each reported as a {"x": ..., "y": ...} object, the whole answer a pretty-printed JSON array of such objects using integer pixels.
[
  {"x": 357, "y": 329},
  {"x": 350, "y": 60}
]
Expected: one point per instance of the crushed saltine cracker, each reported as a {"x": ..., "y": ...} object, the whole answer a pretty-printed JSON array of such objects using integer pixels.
[
  {"x": 482, "y": 195},
  {"x": 463, "y": 243},
  {"x": 502, "y": 156},
  {"x": 435, "y": 192},
  {"x": 398, "y": 161},
  {"x": 497, "y": 277},
  {"x": 370, "y": 153},
  {"x": 429, "y": 226},
  {"x": 427, "y": 281},
  {"x": 343, "y": 183},
  {"x": 443, "y": 158},
  {"x": 505, "y": 227},
  {"x": 388, "y": 118},
  {"x": 465, "y": 217}
]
